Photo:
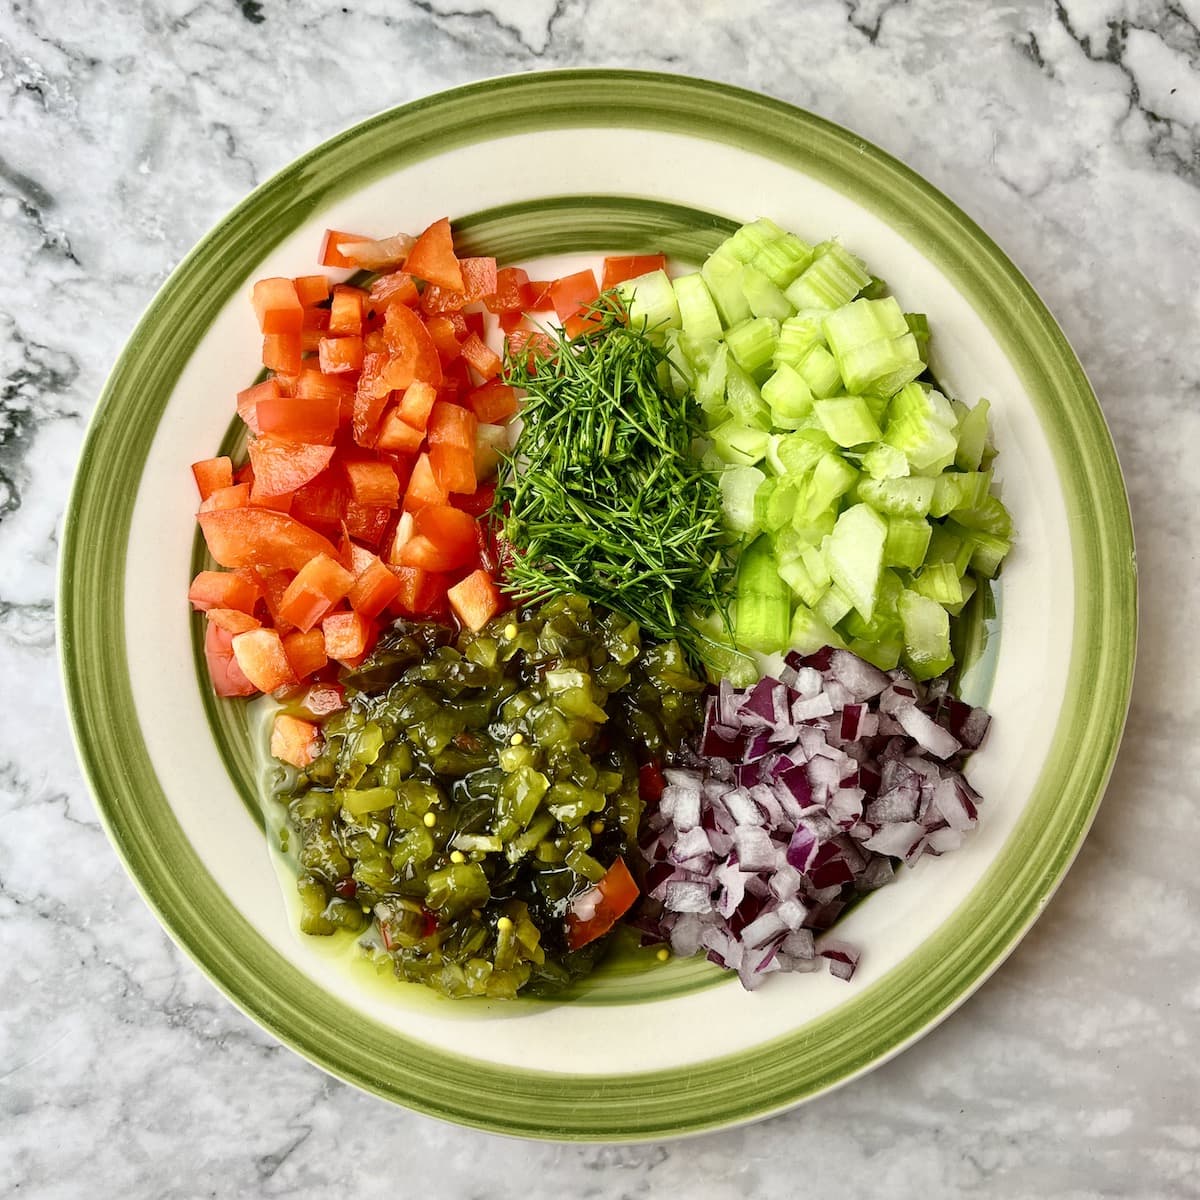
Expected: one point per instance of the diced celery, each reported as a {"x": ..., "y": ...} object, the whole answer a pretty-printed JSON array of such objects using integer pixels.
[
  {"x": 698, "y": 314},
  {"x": 926, "y": 635},
  {"x": 797, "y": 336},
  {"x": 650, "y": 301},
  {"x": 797, "y": 576},
  {"x": 809, "y": 633},
  {"x": 820, "y": 371},
  {"x": 722, "y": 274},
  {"x": 738, "y": 444},
  {"x": 743, "y": 399},
  {"x": 847, "y": 420},
  {"x": 882, "y": 366},
  {"x": 972, "y": 437},
  {"x": 940, "y": 581},
  {"x": 883, "y": 653},
  {"x": 967, "y": 585},
  {"x": 885, "y": 462},
  {"x": 907, "y": 542},
  {"x": 751, "y": 238},
  {"x": 988, "y": 552},
  {"x": 831, "y": 478},
  {"x": 947, "y": 546},
  {"x": 682, "y": 369},
  {"x": 710, "y": 380},
  {"x": 775, "y": 503},
  {"x": 877, "y": 406},
  {"x": 810, "y": 530},
  {"x": 960, "y": 490},
  {"x": 855, "y": 556},
  {"x": 874, "y": 289},
  {"x": 783, "y": 259},
  {"x": 918, "y": 326},
  {"x": 764, "y": 298},
  {"x": 764, "y": 601},
  {"x": 862, "y": 322},
  {"x": 738, "y": 488},
  {"x": 915, "y": 427},
  {"x": 988, "y": 515},
  {"x": 833, "y": 605},
  {"x": 834, "y": 278},
  {"x": 796, "y": 453},
  {"x": 789, "y": 398},
  {"x": 818, "y": 569},
  {"x": 909, "y": 496},
  {"x": 752, "y": 342}
]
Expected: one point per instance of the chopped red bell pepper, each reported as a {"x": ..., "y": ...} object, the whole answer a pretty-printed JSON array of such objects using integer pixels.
[
  {"x": 373, "y": 484},
  {"x": 260, "y": 537},
  {"x": 346, "y": 310},
  {"x": 310, "y": 290},
  {"x": 424, "y": 487},
  {"x": 511, "y": 293},
  {"x": 443, "y": 540},
  {"x": 493, "y": 403},
  {"x": 305, "y": 652},
  {"x": 235, "y": 496},
  {"x": 295, "y": 741},
  {"x": 211, "y": 474},
  {"x": 375, "y": 587},
  {"x": 475, "y": 600},
  {"x": 432, "y": 258},
  {"x": 227, "y": 677},
  {"x": 347, "y": 636},
  {"x": 282, "y": 352},
  {"x": 318, "y": 586},
  {"x": 618, "y": 269},
  {"x": 232, "y": 620},
  {"x": 224, "y": 589},
  {"x": 330, "y": 255},
  {"x": 397, "y": 435},
  {"x": 480, "y": 277},
  {"x": 417, "y": 403},
  {"x": 338, "y": 355},
  {"x": 277, "y": 306},
  {"x": 259, "y": 653},
  {"x": 311, "y": 419},
  {"x": 481, "y": 356},
  {"x": 396, "y": 288},
  {"x": 281, "y": 467},
  {"x": 597, "y": 910}
]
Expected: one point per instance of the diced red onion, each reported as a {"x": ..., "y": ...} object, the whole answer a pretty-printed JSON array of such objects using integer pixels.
[{"x": 808, "y": 788}]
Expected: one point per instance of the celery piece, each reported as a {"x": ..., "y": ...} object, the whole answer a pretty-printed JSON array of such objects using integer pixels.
[
  {"x": 817, "y": 567},
  {"x": 739, "y": 485},
  {"x": 833, "y": 605},
  {"x": 972, "y": 434},
  {"x": 775, "y": 503},
  {"x": 749, "y": 240},
  {"x": 988, "y": 552},
  {"x": 855, "y": 556},
  {"x": 918, "y": 326},
  {"x": 764, "y": 298},
  {"x": 722, "y": 274},
  {"x": 820, "y": 372},
  {"x": 698, "y": 314},
  {"x": 739, "y": 445},
  {"x": 907, "y": 542},
  {"x": 947, "y": 546},
  {"x": 752, "y": 342},
  {"x": 795, "y": 453},
  {"x": 783, "y": 259},
  {"x": 831, "y": 478},
  {"x": 886, "y": 621},
  {"x": 967, "y": 586},
  {"x": 809, "y": 530},
  {"x": 798, "y": 577},
  {"x": 809, "y": 633},
  {"x": 834, "y": 278},
  {"x": 926, "y": 635},
  {"x": 939, "y": 581},
  {"x": 883, "y": 653},
  {"x": 862, "y": 322},
  {"x": 743, "y": 399},
  {"x": 789, "y": 398},
  {"x": 882, "y": 461},
  {"x": 960, "y": 490},
  {"x": 710, "y": 382},
  {"x": 987, "y": 514},
  {"x": 763, "y": 604},
  {"x": 847, "y": 420},
  {"x": 797, "y": 336},
  {"x": 882, "y": 366},
  {"x": 909, "y": 496},
  {"x": 650, "y": 301}
]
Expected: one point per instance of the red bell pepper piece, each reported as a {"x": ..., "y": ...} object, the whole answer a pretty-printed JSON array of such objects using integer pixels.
[
  {"x": 295, "y": 741},
  {"x": 443, "y": 540},
  {"x": 311, "y": 419},
  {"x": 232, "y": 620},
  {"x": 417, "y": 403},
  {"x": 424, "y": 487},
  {"x": 346, "y": 310},
  {"x": 373, "y": 484},
  {"x": 211, "y": 474},
  {"x": 318, "y": 586},
  {"x": 481, "y": 356},
  {"x": 396, "y": 288},
  {"x": 480, "y": 277},
  {"x": 282, "y": 352},
  {"x": 305, "y": 652},
  {"x": 475, "y": 600},
  {"x": 260, "y": 537},
  {"x": 375, "y": 587},
  {"x": 281, "y": 467},
  {"x": 347, "y": 636},
  {"x": 422, "y": 593},
  {"x": 224, "y": 589},
  {"x": 330, "y": 255},
  {"x": 620, "y": 268},
  {"x": 366, "y": 523},
  {"x": 236, "y": 496},
  {"x": 310, "y": 290},
  {"x": 493, "y": 403},
  {"x": 338, "y": 355},
  {"x": 277, "y": 306},
  {"x": 432, "y": 258},
  {"x": 227, "y": 677},
  {"x": 511, "y": 293},
  {"x": 397, "y": 435},
  {"x": 597, "y": 910},
  {"x": 259, "y": 653}
]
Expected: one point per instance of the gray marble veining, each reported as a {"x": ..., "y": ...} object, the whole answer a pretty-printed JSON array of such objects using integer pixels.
[{"x": 1070, "y": 129}]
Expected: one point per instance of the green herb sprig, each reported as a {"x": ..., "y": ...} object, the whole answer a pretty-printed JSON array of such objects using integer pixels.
[{"x": 602, "y": 494}]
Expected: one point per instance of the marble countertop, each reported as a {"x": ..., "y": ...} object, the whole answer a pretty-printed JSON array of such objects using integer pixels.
[{"x": 1069, "y": 129}]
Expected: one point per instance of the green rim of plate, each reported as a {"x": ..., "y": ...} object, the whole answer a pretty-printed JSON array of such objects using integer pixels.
[{"x": 881, "y": 1019}]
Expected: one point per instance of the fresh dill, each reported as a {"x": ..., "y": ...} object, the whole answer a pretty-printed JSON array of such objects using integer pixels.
[{"x": 602, "y": 494}]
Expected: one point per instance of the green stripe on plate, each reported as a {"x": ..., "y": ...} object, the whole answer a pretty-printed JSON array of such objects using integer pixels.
[{"x": 882, "y": 1018}]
